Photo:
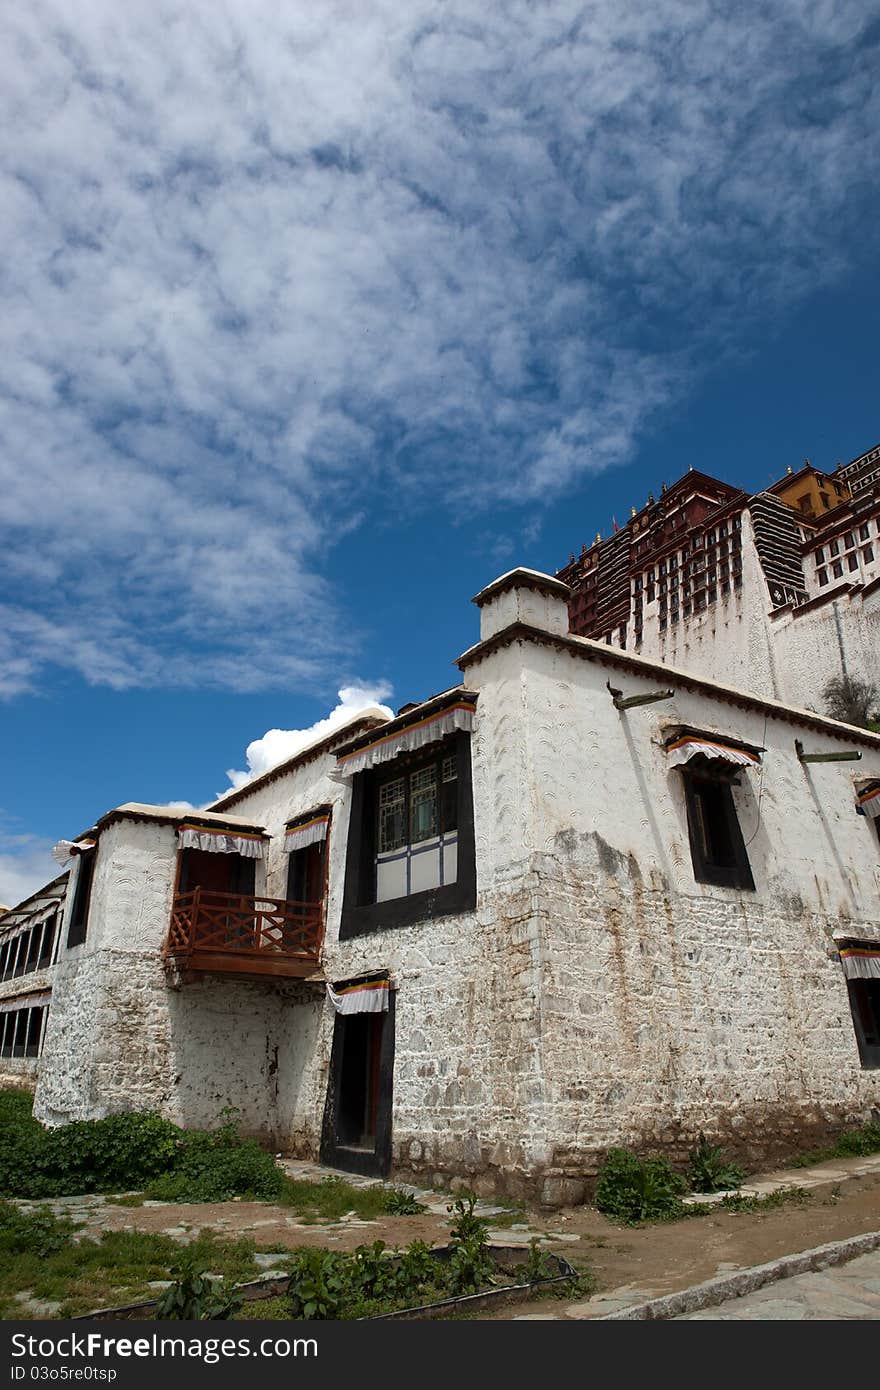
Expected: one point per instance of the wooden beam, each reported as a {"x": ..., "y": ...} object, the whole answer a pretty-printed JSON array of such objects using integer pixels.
[{"x": 849, "y": 757}]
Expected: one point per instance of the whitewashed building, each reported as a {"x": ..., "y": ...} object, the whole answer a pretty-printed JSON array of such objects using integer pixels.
[
  {"x": 582, "y": 899},
  {"x": 30, "y": 941}
]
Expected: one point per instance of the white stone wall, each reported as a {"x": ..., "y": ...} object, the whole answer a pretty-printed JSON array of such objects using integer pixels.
[
  {"x": 671, "y": 1006},
  {"x": 597, "y": 995}
]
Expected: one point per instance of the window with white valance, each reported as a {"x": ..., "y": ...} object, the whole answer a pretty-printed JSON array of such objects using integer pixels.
[
  {"x": 222, "y": 841},
  {"x": 861, "y": 967}
]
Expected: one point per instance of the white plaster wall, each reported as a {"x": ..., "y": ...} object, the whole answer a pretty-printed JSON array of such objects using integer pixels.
[
  {"x": 596, "y": 995},
  {"x": 668, "y": 1005},
  {"x": 816, "y": 644}
]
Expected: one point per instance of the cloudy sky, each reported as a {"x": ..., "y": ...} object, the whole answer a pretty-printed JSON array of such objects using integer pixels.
[{"x": 316, "y": 317}]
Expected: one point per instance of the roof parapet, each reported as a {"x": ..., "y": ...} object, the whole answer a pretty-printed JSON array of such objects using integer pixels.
[{"x": 523, "y": 596}]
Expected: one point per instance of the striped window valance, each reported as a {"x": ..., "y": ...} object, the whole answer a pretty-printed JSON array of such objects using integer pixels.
[
  {"x": 384, "y": 747},
  {"x": 691, "y": 743},
  {"x": 868, "y": 798},
  {"x": 361, "y": 997},
  {"x": 860, "y": 960},
  {"x": 305, "y": 831},
  {"x": 220, "y": 841}
]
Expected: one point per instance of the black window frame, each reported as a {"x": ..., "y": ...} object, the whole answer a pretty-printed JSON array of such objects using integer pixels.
[
  {"x": 869, "y": 1047},
  {"x": 77, "y": 929},
  {"x": 738, "y": 873},
  {"x": 361, "y": 914}
]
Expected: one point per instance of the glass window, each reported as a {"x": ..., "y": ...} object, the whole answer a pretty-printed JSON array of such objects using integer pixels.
[
  {"x": 822, "y": 576},
  {"x": 392, "y": 815},
  {"x": 853, "y": 561},
  {"x": 423, "y": 805}
]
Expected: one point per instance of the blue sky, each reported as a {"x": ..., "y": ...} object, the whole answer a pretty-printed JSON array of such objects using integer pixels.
[{"x": 319, "y": 317}]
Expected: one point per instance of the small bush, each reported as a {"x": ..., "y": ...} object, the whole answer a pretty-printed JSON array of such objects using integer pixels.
[
  {"x": 131, "y": 1151},
  {"x": 710, "y": 1171},
  {"x": 215, "y": 1166},
  {"x": 195, "y": 1297},
  {"x": 399, "y": 1202},
  {"x": 631, "y": 1189}
]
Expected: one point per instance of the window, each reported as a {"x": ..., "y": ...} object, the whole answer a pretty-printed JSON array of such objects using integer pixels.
[
  {"x": 864, "y": 1001},
  {"x": 305, "y": 873},
  {"x": 867, "y": 555},
  {"x": 410, "y": 853},
  {"x": 717, "y": 849},
  {"x": 79, "y": 917},
  {"x": 837, "y": 569},
  {"x": 21, "y": 1031},
  {"x": 853, "y": 561}
]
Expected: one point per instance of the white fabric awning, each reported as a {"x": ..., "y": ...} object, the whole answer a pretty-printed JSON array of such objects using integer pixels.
[
  {"x": 364, "y": 997},
  {"x": 306, "y": 833},
  {"x": 860, "y": 960},
  {"x": 221, "y": 841},
  {"x": 385, "y": 747},
  {"x": 681, "y": 749},
  {"x": 868, "y": 799},
  {"x": 64, "y": 851}
]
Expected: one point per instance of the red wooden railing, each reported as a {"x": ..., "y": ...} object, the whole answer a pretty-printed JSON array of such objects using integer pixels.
[{"x": 243, "y": 928}]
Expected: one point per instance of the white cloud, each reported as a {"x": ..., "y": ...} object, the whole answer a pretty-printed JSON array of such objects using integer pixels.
[
  {"x": 26, "y": 864},
  {"x": 268, "y": 268},
  {"x": 277, "y": 745}
]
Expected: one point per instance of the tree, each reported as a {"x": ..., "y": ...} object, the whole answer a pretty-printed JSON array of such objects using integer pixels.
[{"x": 851, "y": 699}]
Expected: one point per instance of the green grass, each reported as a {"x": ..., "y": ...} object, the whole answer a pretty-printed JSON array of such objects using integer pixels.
[
  {"x": 853, "y": 1143},
  {"x": 785, "y": 1197},
  {"x": 117, "y": 1269},
  {"x": 333, "y": 1198}
]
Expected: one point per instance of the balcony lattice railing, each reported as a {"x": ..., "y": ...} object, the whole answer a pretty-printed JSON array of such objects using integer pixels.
[{"x": 241, "y": 934}]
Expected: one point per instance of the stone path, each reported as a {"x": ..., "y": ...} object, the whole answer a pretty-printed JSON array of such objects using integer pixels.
[
  {"x": 849, "y": 1292},
  {"x": 820, "y": 1175}
]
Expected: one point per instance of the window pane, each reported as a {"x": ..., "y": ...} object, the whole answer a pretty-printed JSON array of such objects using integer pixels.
[
  {"x": 423, "y": 805},
  {"x": 392, "y": 815}
]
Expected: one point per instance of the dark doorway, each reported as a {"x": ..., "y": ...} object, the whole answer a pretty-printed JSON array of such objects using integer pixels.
[
  {"x": 305, "y": 874},
  {"x": 216, "y": 873},
  {"x": 357, "y": 1115}
]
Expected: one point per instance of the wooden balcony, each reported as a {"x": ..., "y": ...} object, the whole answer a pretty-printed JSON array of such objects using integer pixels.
[{"x": 253, "y": 937}]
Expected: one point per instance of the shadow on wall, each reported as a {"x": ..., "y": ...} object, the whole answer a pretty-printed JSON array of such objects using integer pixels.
[{"x": 241, "y": 1046}]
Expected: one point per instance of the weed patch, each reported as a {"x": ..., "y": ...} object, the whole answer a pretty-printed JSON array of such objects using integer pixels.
[
  {"x": 785, "y": 1197},
  {"x": 709, "y": 1170},
  {"x": 632, "y": 1189},
  {"x": 853, "y": 1143}
]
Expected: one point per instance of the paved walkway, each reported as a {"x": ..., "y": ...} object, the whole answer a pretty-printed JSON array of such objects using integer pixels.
[{"x": 850, "y": 1292}]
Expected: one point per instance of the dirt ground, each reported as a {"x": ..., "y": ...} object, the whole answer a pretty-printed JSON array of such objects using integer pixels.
[
  {"x": 656, "y": 1259},
  {"x": 663, "y": 1258}
]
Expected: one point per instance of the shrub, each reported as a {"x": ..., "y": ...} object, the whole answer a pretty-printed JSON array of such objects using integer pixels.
[
  {"x": 129, "y": 1151},
  {"x": 399, "y": 1202},
  {"x": 85, "y": 1156},
  {"x": 318, "y": 1284},
  {"x": 633, "y": 1189},
  {"x": 710, "y": 1171},
  {"x": 215, "y": 1166},
  {"x": 195, "y": 1297}
]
